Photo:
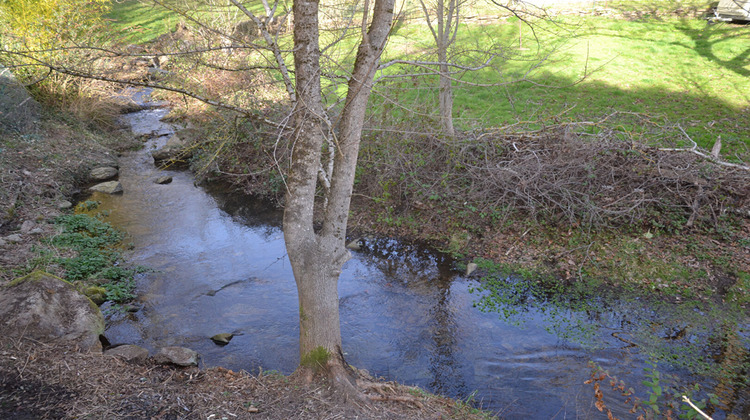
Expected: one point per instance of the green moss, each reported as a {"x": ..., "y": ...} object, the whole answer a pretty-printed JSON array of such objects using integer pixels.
[
  {"x": 35, "y": 275},
  {"x": 316, "y": 359}
]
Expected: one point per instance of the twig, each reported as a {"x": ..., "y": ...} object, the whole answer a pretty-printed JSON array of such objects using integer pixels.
[{"x": 687, "y": 400}]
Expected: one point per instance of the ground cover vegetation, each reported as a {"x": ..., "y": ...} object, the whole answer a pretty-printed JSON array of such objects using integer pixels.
[{"x": 568, "y": 172}]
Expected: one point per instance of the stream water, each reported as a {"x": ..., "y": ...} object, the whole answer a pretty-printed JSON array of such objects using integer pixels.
[{"x": 220, "y": 266}]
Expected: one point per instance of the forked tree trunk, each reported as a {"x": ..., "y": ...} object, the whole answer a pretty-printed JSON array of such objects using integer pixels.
[{"x": 317, "y": 256}]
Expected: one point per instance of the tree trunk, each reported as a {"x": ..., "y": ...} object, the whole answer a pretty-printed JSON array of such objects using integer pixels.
[
  {"x": 317, "y": 257},
  {"x": 446, "y": 101}
]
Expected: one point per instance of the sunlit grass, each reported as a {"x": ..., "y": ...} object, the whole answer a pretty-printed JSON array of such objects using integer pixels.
[{"x": 681, "y": 71}]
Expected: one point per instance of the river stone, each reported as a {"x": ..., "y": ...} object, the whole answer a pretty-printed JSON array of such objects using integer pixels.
[
  {"x": 355, "y": 245},
  {"x": 64, "y": 205},
  {"x": 47, "y": 308},
  {"x": 179, "y": 356},
  {"x": 222, "y": 339},
  {"x": 470, "y": 268},
  {"x": 128, "y": 352},
  {"x": 164, "y": 180},
  {"x": 103, "y": 173},
  {"x": 109, "y": 187},
  {"x": 18, "y": 110}
]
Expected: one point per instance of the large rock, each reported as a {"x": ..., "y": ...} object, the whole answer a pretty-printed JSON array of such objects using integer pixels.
[
  {"x": 46, "y": 308},
  {"x": 109, "y": 187},
  {"x": 103, "y": 173},
  {"x": 18, "y": 110},
  {"x": 179, "y": 356}
]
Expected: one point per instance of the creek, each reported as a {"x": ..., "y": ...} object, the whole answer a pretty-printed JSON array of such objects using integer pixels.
[{"x": 407, "y": 315}]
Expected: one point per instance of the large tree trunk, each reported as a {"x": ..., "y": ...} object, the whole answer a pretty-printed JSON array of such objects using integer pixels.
[{"x": 317, "y": 257}]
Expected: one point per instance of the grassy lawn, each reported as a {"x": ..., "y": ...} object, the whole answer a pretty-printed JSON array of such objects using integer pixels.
[
  {"x": 663, "y": 75},
  {"x": 674, "y": 71}
]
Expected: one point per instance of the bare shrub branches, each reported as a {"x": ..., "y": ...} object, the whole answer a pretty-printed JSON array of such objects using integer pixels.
[{"x": 557, "y": 174}]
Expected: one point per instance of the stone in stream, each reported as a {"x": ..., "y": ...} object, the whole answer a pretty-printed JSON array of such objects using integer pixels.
[
  {"x": 174, "y": 148},
  {"x": 355, "y": 245},
  {"x": 222, "y": 339},
  {"x": 179, "y": 356},
  {"x": 470, "y": 268},
  {"x": 103, "y": 173},
  {"x": 109, "y": 187},
  {"x": 163, "y": 180}
]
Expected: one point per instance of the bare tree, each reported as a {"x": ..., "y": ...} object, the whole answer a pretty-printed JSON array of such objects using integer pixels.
[
  {"x": 318, "y": 255},
  {"x": 444, "y": 30}
]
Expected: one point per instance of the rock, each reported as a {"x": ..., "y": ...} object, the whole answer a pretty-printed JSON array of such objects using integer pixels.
[
  {"x": 2, "y": 242},
  {"x": 27, "y": 225},
  {"x": 470, "y": 268},
  {"x": 18, "y": 110},
  {"x": 164, "y": 180},
  {"x": 103, "y": 173},
  {"x": 14, "y": 238},
  {"x": 97, "y": 294},
  {"x": 156, "y": 73},
  {"x": 64, "y": 205},
  {"x": 179, "y": 356},
  {"x": 175, "y": 147},
  {"x": 36, "y": 231},
  {"x": 222, "y": 339},
  {"x": 43, "y": 307},
  {"x": 355, "y": 245},
  {"x": 128, "y": 352},
  {"x": 109, "y": 187}
]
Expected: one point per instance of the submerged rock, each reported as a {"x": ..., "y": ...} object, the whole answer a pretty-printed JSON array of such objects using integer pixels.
[
  {"x": 222, "y": 339},
  {"x": 47, "y": 308},
  {"x": 109, "y": 187},
  {"x": 179, "y": 356}
]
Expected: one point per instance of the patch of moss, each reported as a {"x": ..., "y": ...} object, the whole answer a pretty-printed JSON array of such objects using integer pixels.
[{"x": 316, "y": 359}]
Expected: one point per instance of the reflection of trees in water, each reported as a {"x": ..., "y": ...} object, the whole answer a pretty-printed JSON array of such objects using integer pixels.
[{"x": 428, "y": 277}]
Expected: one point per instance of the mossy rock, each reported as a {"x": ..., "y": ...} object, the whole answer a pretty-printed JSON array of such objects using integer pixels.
[
  {"x": 97, "y": 294},
  {"x": 47, "y": 308}
]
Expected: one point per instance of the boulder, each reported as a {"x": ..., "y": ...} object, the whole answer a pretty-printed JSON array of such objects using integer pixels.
[
  {"x": 128, "y": 352},
  {"x": 175, "y": 147},
  {"x": 179, "y": 356},
  {"x": 109, "y": 187},
  {"x": 18, "y": 110},
  {"x": 47, "y": 308},
  {"x": 103, "y": 173}
]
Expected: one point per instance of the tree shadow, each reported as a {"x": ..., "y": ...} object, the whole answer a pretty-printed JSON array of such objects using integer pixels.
[{"x": 708, "y": 39}]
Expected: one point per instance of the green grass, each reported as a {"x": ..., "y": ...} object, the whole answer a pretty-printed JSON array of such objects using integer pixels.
[
  {"x": 673, "y": 70},
  {"x": 676, "y": 73}
]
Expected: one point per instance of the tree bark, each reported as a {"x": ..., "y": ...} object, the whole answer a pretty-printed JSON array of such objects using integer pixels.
[{"x": 317, "y": 257}]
